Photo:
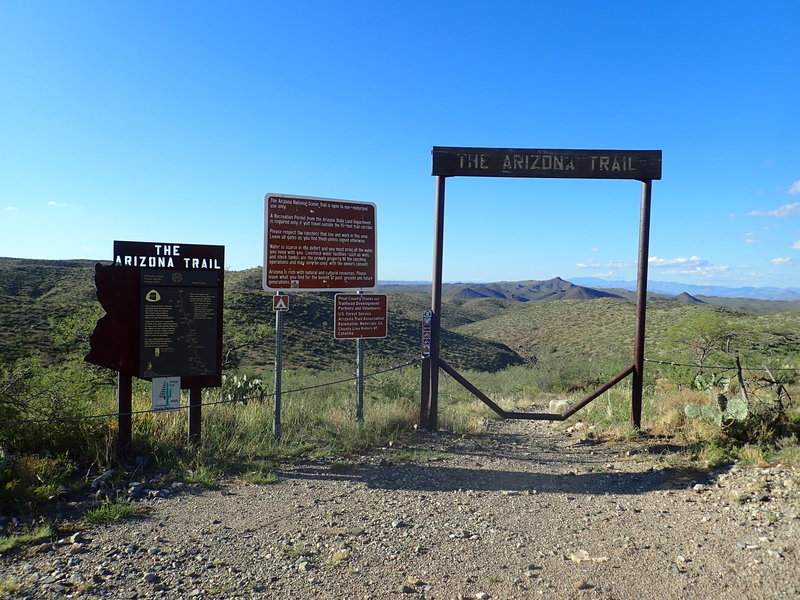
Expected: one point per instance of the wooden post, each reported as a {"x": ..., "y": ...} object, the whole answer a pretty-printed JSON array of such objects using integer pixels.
[
  {"x": 124, "y": 417},
  {"x": 195, "y": 412},
  {"x": 641, "y": 307},
  {"x": 432, "y": 421}
]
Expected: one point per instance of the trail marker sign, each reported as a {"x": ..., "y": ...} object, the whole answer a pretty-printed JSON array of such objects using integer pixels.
[
  {"x": 360, "y": 316},
  {"x": 427, "y": 317},
  {"x": 280, "y": 302},
  {"x": 166, "y": 393},
  {"x": 537, "y": 162},
  {"x": 318, "y": 244},
  {"x": 163, "y": 307}
]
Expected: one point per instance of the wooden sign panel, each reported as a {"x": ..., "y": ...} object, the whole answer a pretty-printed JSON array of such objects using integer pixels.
[
  {"x": 360, "y": 316},
  {"x": 318, "y": 244},
  {"x": 582, "y": 164},
  {"x": 163, "y": 306}
]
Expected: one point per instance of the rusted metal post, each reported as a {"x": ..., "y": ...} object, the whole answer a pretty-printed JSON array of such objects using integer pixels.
[
  {"x": 276, "y": 419},
  {"x": 425, "y": 386},
  {"x": 432, "y": 421},
  {"x": 360, "y": 380},
  {"x": 195, "y": 414},
  {"x": 124, "y": 417},
  {"x": 641, "y": 307}
]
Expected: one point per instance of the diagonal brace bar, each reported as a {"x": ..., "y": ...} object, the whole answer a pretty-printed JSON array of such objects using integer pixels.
[{"x": 534, "y": 416}]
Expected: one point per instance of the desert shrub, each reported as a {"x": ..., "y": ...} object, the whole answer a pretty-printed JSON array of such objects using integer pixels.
[{"x": 42, "y": 407}]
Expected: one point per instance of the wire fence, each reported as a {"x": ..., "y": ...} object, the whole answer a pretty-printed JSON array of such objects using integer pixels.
[
  {"x": 244, "y": 400},
  {"x": 263, "y": 396},
  {"x": 720, "y": 367}
]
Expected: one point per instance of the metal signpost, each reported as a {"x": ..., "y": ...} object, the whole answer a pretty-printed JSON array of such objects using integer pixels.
[
  {"x": 316, "y": 245},
  {"x": 642, "y": 165},
  {"x": 163, "y": 304},
  {"x": 280, "y": 304},
  {"x": 360, "y": 317}
]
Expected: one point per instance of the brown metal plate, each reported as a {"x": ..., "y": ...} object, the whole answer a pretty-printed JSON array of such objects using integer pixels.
[
  {"x": 514, "y": 162},
  {"x": 318, "y": 244},
  {"x": 360, "y": 316}
]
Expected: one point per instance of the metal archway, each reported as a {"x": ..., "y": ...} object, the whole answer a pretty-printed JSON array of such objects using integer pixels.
[{"x": 641, "y": 165}]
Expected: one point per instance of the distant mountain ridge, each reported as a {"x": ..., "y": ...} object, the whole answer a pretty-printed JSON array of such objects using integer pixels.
[
  {"x": 674, "y": 288},
  {"x": 518, "y": 291},
  {"x": 525, "y": 291}
]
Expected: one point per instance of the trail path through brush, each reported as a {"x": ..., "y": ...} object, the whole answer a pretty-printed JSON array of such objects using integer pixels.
[{"x": 526, "y": 510}]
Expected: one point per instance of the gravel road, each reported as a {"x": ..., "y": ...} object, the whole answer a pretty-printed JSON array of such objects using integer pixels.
[{"x": 524, "y": 511}]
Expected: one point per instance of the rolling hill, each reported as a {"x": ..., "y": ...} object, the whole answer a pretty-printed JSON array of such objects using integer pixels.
[
  {"x": 486, "y": 326},
  {"x": 33, "y": 292}
]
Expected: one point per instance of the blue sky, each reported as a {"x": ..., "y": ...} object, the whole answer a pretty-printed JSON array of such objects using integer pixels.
[{"x": 170, "y": 121}]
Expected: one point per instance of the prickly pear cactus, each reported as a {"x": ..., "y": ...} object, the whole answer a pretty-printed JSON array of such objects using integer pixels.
[
  {"x": 736, "y": 409},
  {"x": 692, "y": 411},
  {"x": 725, "y": 411}
]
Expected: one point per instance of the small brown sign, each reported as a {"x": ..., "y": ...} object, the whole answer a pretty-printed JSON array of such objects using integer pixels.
[
  {"x": 515, "y": 162},
  {"x": 427, "y": 318},
  {"x": 280, "y": 302},
  {"x": 318, "y": 244},
  {"x": 360, "y": 316}
]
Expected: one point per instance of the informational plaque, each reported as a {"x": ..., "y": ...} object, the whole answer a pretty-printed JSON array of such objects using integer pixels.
[
  {"x": 318, "y": 244},
  {"x": 179, "y": 320},
  {"x": 166, "y": 393},
  {"x": 163, "y": 304},
  {"x": 360, "y": 316}
]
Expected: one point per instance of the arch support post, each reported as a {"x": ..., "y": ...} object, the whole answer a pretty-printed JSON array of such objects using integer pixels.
[
  {"x": 637, "y": 384},
  {"x": 429, "y": 414}
]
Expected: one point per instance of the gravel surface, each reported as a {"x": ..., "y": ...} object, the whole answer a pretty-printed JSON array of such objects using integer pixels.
[{"x": 525, "y": 511}]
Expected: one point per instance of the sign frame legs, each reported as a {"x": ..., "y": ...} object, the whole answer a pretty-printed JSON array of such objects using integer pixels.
[
  {"x": 195, "y": 415},
  {"x": 360, "y": 381},
  {"x": 429, "y": 389},
  {"x": 429, "y": 414},
  {"x": 124, "y": 416}
]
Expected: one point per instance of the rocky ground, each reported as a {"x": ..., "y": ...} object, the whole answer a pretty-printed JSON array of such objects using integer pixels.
[{"x": 525, "y": 511}]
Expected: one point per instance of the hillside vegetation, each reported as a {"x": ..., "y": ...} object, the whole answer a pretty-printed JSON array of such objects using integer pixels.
[
  {"x": 603, "y": 329},
  {"x": 486, "y": 326},
  {"x": 36, "y": 296},
  {"x": 528, "y": 345}
]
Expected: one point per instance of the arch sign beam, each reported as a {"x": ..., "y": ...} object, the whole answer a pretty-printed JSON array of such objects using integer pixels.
[{"x": 641, "y": 165}]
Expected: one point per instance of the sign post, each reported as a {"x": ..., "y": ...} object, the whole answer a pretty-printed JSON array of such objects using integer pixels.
[
  {"x": 163, "y": 304},
  {"x": 360, "y": 316},
  {"x": 280, "y": 305},
  {"x": 319, "y": 245}
]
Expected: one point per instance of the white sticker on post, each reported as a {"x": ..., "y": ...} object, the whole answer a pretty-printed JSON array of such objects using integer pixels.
[{"x": 166, "y": 393}]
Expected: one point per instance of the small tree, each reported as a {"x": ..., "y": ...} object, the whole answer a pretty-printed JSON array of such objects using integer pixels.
[{"x": 702, "y": 338}]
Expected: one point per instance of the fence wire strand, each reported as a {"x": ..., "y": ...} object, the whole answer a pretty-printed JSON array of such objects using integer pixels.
[
  {"x": 721, "y": 367},
  {"x": 255, "y": 397},
  {"x": 244, "y": 400}
]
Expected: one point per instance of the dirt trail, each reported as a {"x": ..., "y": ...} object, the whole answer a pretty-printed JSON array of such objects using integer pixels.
[{"x": 524, "y": 511}]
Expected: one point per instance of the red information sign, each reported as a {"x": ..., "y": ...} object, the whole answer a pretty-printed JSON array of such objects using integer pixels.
[
  {"x": 360, "y": 316},
  {"x": 318, "y": 244}
]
